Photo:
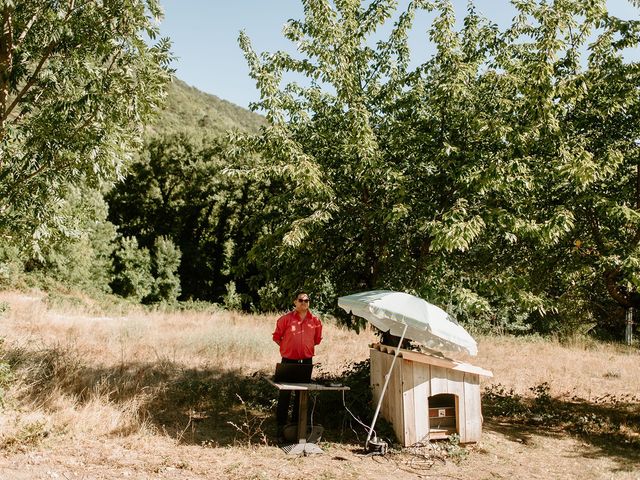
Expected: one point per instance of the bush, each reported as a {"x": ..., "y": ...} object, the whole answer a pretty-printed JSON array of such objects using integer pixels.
[
  {"x": 166, "y": 261},
  {"x": 232, "y": 300},
  {"x": 78, "y": 255},
  {"x": 132, "y": 265},
  {"x": 11, "y": 265}
]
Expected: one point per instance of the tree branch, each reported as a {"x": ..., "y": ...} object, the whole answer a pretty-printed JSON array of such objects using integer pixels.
[
  {"x": 45, "y": 56},
  {"x": 32, "y": 80},
  {"x": 6, "y": 64},
  {"x": 20, "y": 181},
  {"x": 595, "y": 230},
  {"x": 27, "y": 28},
  {"x": 611, "y": 282}
]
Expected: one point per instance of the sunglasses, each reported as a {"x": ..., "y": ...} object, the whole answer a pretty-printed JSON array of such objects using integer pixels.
[{"x": 303, "y": 300}]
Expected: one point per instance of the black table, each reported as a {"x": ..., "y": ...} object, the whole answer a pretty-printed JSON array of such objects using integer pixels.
[{"x": 303, "y": 447}]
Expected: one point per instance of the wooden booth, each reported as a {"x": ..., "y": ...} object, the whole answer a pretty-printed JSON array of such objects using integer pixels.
[{"x": 428, "y": 397}]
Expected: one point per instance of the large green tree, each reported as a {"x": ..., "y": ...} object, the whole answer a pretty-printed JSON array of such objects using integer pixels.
[
  {"x": 370, "y": 175},
  {"x": 583, "y": 107},
  {"x": 499, "y": 176},
  {"x": 78, "y": 80}
]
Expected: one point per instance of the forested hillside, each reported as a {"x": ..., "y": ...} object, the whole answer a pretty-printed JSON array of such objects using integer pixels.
[{"x": 188, "y": 109}]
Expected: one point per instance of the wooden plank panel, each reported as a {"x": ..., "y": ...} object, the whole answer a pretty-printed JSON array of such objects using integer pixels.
[
  {"x": 386, "y": 405},
  {"x": 408, "y": 402},
  {"x": 421, "y": 393},
  {"x": 395, "y": 397},
  {"x": 456, "y": 387},
  {"x": 392, "y": 404},
  {"x": 473, "y": 410},
  {"x": 376, "y": 375},
  {"x": 422, "y": 357},
  {"x": 384, "y": 368},
  {"x": 439, "y": 380}
]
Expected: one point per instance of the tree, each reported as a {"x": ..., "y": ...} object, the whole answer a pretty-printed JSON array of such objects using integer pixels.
[
  {"x": 166, "y": 260},
  {"x": 77, "y": 83},
  {"x": 82, "y": 256},
  {"x": 586, "y": 158},
  {"x": 473, "y": 179},
  {"x": 566, "y": 160},
  {"x": 366, "y": 153},
  {"x": 132, "y": 277},
  {"x": 176, "y": 189}
]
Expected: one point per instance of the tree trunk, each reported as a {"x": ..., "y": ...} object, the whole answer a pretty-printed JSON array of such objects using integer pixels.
[{"x": 628, "y": 334}]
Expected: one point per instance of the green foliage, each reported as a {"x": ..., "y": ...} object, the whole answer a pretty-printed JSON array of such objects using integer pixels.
[
  {"x": 191, "y": 111},
  {"x": 466, "y": 180},
  {"x": 503, "y": 402},
  {"x": 132, "y": 277},
  {"x": 78, "y": 82},
  {"x": 232, "y": 300},
  {"x": 177, "y": 189},
  {"x": 610, "y": 419},
  {"x": 375, "y": 176},
  {"x": 166, "y": 260},
  {"x": 455, "y": 451},
  {"x": 11, "y": 262},
  {"x": 145, "y": 276},
  {"x": 79, "y": 254},
  {"x": 497, "y": 178}
]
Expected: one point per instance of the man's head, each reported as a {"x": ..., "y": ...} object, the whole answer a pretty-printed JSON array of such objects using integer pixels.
[{"x": 301, "y": 301}]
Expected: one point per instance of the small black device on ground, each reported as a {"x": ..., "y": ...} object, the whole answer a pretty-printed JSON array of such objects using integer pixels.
[
  {"x": 376, "y": 446},
  {"x": 293, "y": 372}
]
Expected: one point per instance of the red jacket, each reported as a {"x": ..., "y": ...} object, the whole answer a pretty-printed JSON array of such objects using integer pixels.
[{"x": 297, "y": 337}]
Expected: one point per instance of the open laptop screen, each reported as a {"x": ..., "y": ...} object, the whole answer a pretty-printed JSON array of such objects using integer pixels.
[{"x": 293, "y": 372}]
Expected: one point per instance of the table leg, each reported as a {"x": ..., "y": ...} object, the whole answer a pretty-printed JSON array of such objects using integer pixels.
[
  {"x": 302, "y": 417},
  {"x": 302, "y": 447}
]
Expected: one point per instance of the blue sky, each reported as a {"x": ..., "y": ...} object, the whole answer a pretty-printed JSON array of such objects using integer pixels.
[{"x": 205, "y": 32}]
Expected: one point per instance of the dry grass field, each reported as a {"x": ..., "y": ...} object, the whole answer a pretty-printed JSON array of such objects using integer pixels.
[{"x": 155, "y": 395}]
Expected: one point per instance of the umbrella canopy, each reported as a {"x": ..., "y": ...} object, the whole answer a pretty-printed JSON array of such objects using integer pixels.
[{"x": 426, "y": 323}]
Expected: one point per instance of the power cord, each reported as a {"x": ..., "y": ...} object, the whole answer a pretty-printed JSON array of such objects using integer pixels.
[{"x": 366, "y": 427}]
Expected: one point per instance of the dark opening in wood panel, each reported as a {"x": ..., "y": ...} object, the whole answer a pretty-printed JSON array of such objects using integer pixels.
[{"x": 442, "y": 415}]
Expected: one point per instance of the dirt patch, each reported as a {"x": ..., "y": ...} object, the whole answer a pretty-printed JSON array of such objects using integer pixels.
[{"x": 506, "y": 451}]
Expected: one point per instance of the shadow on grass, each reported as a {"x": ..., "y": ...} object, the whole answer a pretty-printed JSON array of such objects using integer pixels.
[
  {"x": 220, "y": 407},
  {"x": 609, "y": 426},
  {"x": 210, "y": 406}
]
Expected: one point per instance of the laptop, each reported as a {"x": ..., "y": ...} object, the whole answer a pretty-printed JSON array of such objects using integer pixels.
[{"x": 293, "y": 372}]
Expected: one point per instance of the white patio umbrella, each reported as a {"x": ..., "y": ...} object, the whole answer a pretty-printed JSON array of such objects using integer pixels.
[
  {"x": 407, "y": 316},
  {"x": 425, "y": 323}
]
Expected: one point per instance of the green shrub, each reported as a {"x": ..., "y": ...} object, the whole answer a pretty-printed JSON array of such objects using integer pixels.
[
  {"x": 78, "y": 255},
  {"x": 166, "y": 260},
  {"x": 11, "y": 264},
  {"x": 132, "y": 265},
  {"x": 232, "y": 300}
]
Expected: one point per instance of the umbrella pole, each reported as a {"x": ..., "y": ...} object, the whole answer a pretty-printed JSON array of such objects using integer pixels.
[{"x": 384, "y": 388}]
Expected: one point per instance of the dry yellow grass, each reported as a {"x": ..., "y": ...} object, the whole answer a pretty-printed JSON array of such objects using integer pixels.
[
  {"x": 194, "y": 339},
  {"x": 140, "y": 382},
  {"x": 85, "y": 349},
  {"x": 581, "y": 368}
]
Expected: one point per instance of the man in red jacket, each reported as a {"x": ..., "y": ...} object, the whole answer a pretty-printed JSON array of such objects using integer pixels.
[{"x": 297, "y": 333}]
